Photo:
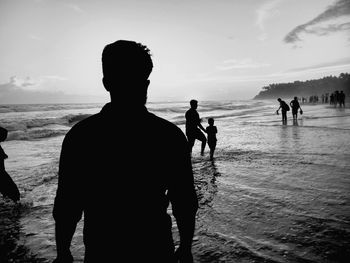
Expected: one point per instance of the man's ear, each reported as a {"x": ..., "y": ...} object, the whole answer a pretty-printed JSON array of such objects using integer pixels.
[{"x": 106, "y": 84}]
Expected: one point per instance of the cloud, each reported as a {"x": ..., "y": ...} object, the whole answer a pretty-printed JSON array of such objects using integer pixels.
[
  {"x": 264, "y": 13},
  {"x": 241, "y": 64},
  {"x": 29, "y": 83},
  {"x": 75, "y": 7},
  {"x": 331, "y": 28},
  {"x": 326, "y": 66},
  {"x": 35, "y": 37},
  {"x": 23, "y": 83},
  {"x": 18, "y": 90},
  {"x": 37, "y": 90},
  {"x": 339, "y": 9}
]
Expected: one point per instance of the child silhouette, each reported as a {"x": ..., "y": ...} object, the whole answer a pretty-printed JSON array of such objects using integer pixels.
[{"x": 211, "y": 130}]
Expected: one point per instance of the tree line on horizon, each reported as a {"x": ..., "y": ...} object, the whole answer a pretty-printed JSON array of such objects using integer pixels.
[{"x": 307, "y": 88}]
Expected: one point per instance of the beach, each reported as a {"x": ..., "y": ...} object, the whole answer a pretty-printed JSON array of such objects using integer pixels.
[{"x": 274, "y": 192}]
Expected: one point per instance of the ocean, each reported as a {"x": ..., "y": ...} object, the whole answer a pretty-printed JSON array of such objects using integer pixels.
[{"x": 274, "y": 192}]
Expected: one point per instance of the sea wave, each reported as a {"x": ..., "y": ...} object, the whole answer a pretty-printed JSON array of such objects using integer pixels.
[
  {"x": 40, "y": 128},
  {"x": 45, "y": 107},
  {"x": 35, "y": 134},
  {"x": 50, "y": 120}
]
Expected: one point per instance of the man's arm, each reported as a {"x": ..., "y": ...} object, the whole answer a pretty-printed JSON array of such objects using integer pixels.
[
  {"x": 68, "y": 206},
  {"x": 183, "y": 199},
  {"x": 64, "y": 234}
]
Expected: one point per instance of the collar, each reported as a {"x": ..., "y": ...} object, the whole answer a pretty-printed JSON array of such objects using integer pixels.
[{"x": 123, "y": 111}]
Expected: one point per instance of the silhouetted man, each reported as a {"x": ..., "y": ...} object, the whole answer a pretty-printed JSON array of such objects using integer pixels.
[
  {"x": 342, "y": 99},
  {"x": 192, "y": 123},
  {"x": 294, "y": 104},
  {"x": 284, "y": 108},
  {"x": 121, "y": 167}
]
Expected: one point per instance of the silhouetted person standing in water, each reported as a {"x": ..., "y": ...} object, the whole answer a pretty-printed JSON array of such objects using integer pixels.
[
  {"x": 192, "y": 123},
  {"x": 342, "y": 99},
  {"x": 337, "y": 97},
  {"x": 121, "y": 167},
  {"x": 8, "y": 188},
  {"x": 211, "y": 130},
  {"x": 284, "y": 108},
  {"x": 294, "y": 104}
]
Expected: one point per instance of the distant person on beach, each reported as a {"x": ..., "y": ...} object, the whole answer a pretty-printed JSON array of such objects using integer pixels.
[
  {"x": 193, "y": 127},
  {"x": 336, "y": 98},
  {"x": 342, "y": 99},
  {"x": 284, "y": 108},
  {"x": 211, "y": 130},
  {"x": 294, "y": 104},
  {"x": 121, "y": 167},
  {"x": 7, "y": 187},
  {"x": 331, "y": 99}
]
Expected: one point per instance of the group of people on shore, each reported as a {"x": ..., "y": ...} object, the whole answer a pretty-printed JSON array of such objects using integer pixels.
[
  {"x": 337, "y": 98},
  {"x": 284, "y": 107},
  {"x": 334, "y": 98}
]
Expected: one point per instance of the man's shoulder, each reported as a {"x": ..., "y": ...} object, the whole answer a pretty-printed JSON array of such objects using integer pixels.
[
  {"x": 164, "y": 125},
  {"x": 87, "y": 125},
  {"x": 191, "y": 112}
]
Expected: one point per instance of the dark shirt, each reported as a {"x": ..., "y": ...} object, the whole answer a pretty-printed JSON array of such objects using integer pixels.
[
  {"x": 342, "y": 96},
  {"x": 3, "y": 156},
  {"x": 123, "y": 179},
  {"x": 295, "y": 105},
  {"x": 192, "y": 120},
  {"x": 284, "y": 106},
  {"x": 211, "y": 131}
]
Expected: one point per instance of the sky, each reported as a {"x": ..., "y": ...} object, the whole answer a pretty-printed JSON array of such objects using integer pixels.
[{"x": 50, "y": 50}]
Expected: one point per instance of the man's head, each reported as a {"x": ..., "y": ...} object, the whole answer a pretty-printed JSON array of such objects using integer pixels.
[
  {"x": 279, "y": 99},
  {"x": 295, "y": 98},
  {"x": 194, "y": 104},
  {"x": 211, "y": 121},
  {"x": 126, "y": 67}
]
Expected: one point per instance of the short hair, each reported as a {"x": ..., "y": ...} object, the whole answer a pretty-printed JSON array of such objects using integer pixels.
[
  {"x": 279, "y": 99},
  {"x": 193, "y": 102},
  {"x": 211, "y": 121},
  {"x": 3, "y": 134},
  {"x": 127, "y": 60}
]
